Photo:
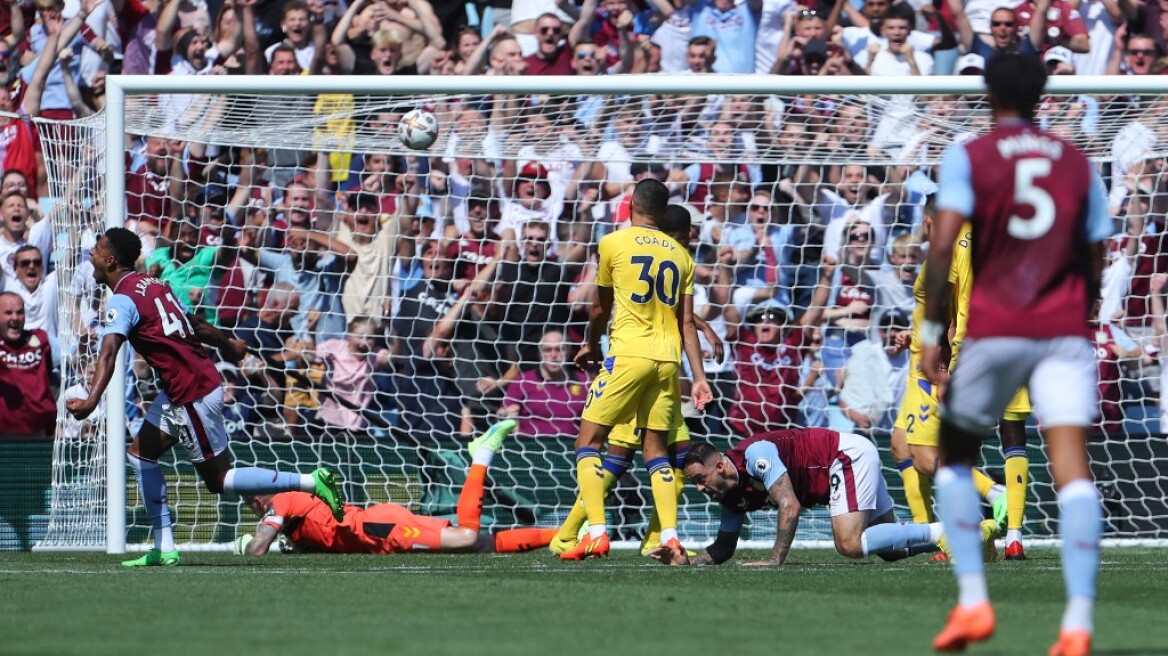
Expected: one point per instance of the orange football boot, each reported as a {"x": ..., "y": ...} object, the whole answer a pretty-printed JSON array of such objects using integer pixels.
[
  {"x": 966, "y": 626},
  {"x": 589, "y": 547}
]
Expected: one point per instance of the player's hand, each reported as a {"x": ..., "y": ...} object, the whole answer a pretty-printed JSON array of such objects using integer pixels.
[
  {"x": 588, "y": 357},
  {"x": 761, "y": 563},
  {"x": 235, "y": 350},
  {"x": 667, "y": 556},
  {"x": 80, "y": 408},
  {"x": 931, "y": 365},
  {"x": 701, "y": 394},
  {"x": 239, "y": 547}
]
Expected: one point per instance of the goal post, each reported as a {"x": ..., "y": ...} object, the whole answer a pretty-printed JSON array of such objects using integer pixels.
[{"x": 276, "y": 113}]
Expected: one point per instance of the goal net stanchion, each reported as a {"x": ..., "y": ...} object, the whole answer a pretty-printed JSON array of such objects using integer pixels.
[{"x": 790, "y": 136}]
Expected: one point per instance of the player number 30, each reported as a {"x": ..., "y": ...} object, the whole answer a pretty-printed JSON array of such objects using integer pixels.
[{"x": 665, "y": 284}]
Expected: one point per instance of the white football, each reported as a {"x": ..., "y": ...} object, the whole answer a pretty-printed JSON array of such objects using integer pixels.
[{"x": 418, "y": 129}]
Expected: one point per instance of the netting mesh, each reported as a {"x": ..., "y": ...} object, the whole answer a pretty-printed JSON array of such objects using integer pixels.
[{"x": 397, "y": 302}]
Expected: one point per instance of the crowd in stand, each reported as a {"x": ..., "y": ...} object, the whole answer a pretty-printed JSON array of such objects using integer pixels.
[{"x": 433, "y": 292}]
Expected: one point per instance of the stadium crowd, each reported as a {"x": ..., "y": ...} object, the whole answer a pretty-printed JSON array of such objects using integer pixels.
[{"x": 434, "y": 292}]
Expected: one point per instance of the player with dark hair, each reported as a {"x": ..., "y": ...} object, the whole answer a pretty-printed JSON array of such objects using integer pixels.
[
  {"x": 1039, "y": 216},
  {"x": 388, "y": 528},
  {"x": 189, "y": 407},
  {"x": 649, "y": 277},
  {"x": 796, "y": 469}
]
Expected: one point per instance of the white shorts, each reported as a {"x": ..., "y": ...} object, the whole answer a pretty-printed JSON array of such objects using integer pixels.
[
  {"x": 198, "y": 426},
  {"x": 1061, "y": 373},
  {"x": 857, "y": 479}
]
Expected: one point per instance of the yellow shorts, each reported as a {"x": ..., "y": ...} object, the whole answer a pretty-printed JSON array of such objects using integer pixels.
[
  {"x": 918, "y": 412},
  {"x": 629, "y": 437},
  {"x": 1019, "y": 408},
  {"x": 638, "y": 391}
]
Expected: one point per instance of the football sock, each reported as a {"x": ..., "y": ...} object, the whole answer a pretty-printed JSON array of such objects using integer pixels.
[
  {"x": 1080, "y": 527},
  {"x": 918, "y": 490},
  {"x": 152, "y": 485},
  {"x": 664, "y": 485},
  {"x": 470, "y": 500},
  {"x": 960, "y": 512},
  {"x": 576, "y": 516},
  {"x": 590, "y": 478},
  {"x": 255, "y": 480},
  {"x": 1017, "y": 479},
  {"x": 483, "y": 457},
  {"x": 985, "y": 484},
  {"x": 653, "y": 533},
  {"x": 523, "y": 539},
  {"x": 889, "y": 537}
]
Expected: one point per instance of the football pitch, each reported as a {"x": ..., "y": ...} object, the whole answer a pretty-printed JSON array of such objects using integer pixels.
[{"x": 819, "y": 603}]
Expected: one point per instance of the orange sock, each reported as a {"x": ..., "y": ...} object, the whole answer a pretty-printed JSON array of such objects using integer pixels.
[
  {"x": 523, "y": 539},
  {"x": 470, "y": 501}
]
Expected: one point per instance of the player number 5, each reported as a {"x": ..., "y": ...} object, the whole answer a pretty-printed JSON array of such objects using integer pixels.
[{"x": 1026, "y": 193}]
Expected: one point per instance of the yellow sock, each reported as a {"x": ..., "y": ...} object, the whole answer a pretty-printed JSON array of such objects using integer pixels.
[
  {"x": 653, "y": 533},
  {"x": 1017, "y": 479},
  {"x": 983, "y": 482},
  {"x": 664, "y": 484},
  {"x": 590, "y": 478},
  {"x": 918, "y": 490},
  {"x": 576, "y": 516}
]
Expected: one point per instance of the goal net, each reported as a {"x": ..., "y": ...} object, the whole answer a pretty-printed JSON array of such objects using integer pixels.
[{"x": 397, "y": 302}]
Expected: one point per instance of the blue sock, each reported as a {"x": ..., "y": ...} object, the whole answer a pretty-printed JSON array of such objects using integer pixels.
[
  {"x": 152, "y": 485},
  {"x": 616, "y": 465},
  {"x": 1080, "y": 527},
  {"x": 677, "y": 456},
  {"x": 894, "y": 537},
  {"x": 255, "y": 480},
  {"x": 959, "y": 506}
]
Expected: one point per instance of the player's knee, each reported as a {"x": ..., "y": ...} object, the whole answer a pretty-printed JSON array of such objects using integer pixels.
[
  {"x": 849, "y": 546},
  {"x": 214, "y": 481},
  {"x": 925, "y": 466}
]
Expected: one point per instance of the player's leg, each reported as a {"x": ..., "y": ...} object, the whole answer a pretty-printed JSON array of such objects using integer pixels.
[
  {"x": 199, "y": 428},
  {"x": 862, "y": 523},
  {"x": 1012, "y": 431},
  {"x": 1064, "y": 391},
  {"x": 659, "y": 408},
  {"x": 677, "y": 446},
  {"x": 482, "y": 451},
  {"x": 148, "y": 446},
  {"x": 991, "y": 370},
  {"x": 918, "y": 490},
  {"x": 618, "y": 457}
]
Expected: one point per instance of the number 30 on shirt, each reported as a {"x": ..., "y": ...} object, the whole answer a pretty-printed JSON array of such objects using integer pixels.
[{"x": 664, "y": 283}]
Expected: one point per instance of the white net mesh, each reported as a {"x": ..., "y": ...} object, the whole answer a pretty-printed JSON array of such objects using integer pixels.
[{"x": 390, "y": 328}]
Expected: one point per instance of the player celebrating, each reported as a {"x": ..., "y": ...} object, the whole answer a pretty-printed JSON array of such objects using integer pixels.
[
  {"x": 650, "y": 278},
  {"x": 387, "y": 528},
  {"x": 189, "y": 408},
  {"x": 1039, "y": 219},
  {"x": 796, "y": 469}
]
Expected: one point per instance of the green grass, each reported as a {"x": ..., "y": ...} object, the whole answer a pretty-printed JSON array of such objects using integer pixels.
[{"x": 819, "y": 603}]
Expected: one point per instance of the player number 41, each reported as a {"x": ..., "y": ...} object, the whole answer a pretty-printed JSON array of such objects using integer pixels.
[
  {"x": 174, "y": 320},
  {"x": 1027, "y": 193}
]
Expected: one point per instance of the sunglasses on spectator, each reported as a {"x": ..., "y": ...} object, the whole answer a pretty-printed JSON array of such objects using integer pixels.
[
  {"x": 1146, "y": 52},
  {"x": 585, "y": 55},
  {"x": 28, "y": 263},
  {"x": 860, "y": 236},
  {"x": 808, "y": 13},
  {"x": 549, "y": 30},
  {"x": 755, "y": 207},
  {"x": 1002, "y": 23}
]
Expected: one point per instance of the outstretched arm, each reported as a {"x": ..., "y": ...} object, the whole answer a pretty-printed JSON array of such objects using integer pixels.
[
  {"x": 693, "y": 353},
  {"x": 111, "y": 344},
  {"x": 231, "y": 348},
  {"x": 264, "y": 537},
  {"x": 783, "y": 496}
]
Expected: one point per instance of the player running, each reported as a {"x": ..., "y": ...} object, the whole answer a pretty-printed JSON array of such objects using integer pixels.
[
  {"x": 796, "y": 469},
  {"x": 387, "y": 528},
  {"x": 189, "y": 407},
  {"x": 1039, "y": 218},
  {"x": 649, "y": 277}
]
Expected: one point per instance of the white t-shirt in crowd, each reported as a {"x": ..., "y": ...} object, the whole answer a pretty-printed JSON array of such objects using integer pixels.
[
  {"x": 1101, "y": 30},
  {"x": 770, "y": 33}
]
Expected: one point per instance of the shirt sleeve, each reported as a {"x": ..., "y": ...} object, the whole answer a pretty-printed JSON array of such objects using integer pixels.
[
  {"x": 604, "y": 268},
  {"x": 121, "y": 315},
  {"x": 1099, "y": 226},
  {"x": 732, "y": 520},
  {"x": 763, "y": 463},
  {"x": 955, "y": 193}
]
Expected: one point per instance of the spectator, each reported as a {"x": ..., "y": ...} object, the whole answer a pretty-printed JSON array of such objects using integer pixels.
[
  {"x": 733, "y": 27},
  {"x": 188, "y": 268},
  {"x": 348, "y": 379},
  {"x": 548, "y": 399},
  {"x": 554, "y": 55},
  {"x": 1003, "y": 33},
  {"x": 895, "y": 279},
  {"x": 850, "y": 297},
  {"x": 1050, "y": 23},
  {"x": 1135, "y": 57},
  {"x": 896, "y": 55},
  {"x": 37, "y": 289},
  {"x": 27, "y": 406},
  {"x": 479, "y": 244},
  {"x": 369, "y": 242},
  {"x": 768, "y": 355},
  {"x": 17, "y": 230},
  {"x": 874, "y": 378},
  {"x": 269, "y": 336},
  {"x": 296, "y": 26}
]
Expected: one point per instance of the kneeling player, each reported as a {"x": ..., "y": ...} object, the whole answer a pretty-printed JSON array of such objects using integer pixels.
[
  {"x": 793, "y": 469},
  {"x": 387, "y": 528}
]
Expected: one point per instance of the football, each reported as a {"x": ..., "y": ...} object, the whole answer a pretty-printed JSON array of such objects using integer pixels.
[{"x": 418, "y": 129}]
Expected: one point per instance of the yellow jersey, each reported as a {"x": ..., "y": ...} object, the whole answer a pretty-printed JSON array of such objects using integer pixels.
[
  {"x": 649, "y": 274},
  {"x": 961, "y": 279}
]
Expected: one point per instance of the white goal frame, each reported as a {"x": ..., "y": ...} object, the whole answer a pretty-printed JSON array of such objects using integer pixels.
[{"x": 120, "y": 88}]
